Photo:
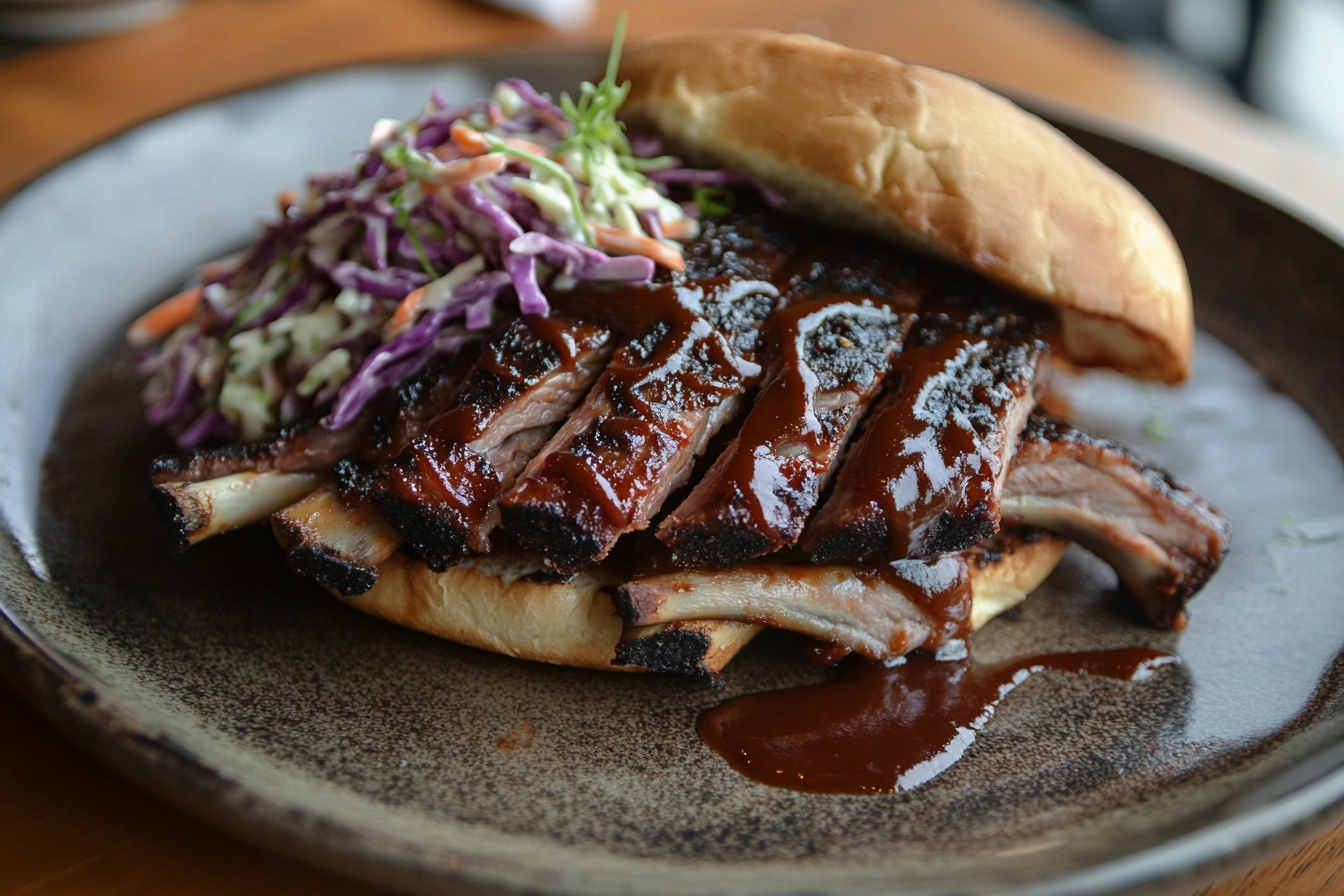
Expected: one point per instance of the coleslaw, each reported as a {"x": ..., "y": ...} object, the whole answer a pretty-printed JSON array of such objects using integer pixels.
[{"x": 444, "y": 224}]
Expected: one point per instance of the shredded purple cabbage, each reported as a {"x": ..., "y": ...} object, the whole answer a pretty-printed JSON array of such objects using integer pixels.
[
  {"x": 391, "y": 362},
  {"x": 538, "y": 102},
  {"x": 582, "y": 262},
  {"x": 393, "y": 283},
  {"x": 360, "y": 230}
]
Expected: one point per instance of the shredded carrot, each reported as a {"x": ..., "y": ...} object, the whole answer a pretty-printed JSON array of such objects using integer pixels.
[
  {"x": 616, "y": 240},
  {"x": 214, "y": 270},
  {"x": 285, "y": 198},
  {"x": 164, "y": 317},
  {"x": 494, "y": 113},
  {"x": 405, "y": 312},
  {"x": 528, "y": 146},
  {"x": 681, "y": 229},
  {"x": 468, "y": 138},
  {"x": 461, "y": 171}
]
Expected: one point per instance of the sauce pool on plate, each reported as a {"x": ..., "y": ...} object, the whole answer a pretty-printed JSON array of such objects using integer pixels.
[{"x": 885, "y": 730}]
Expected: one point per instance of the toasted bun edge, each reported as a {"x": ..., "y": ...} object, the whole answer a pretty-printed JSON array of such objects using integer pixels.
[
  {"x": 487, "y": 603},
  {"x": 935, "y": 162}
]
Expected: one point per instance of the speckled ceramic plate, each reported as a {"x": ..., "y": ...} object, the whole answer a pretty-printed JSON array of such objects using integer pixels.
[{"x": 248, "y": 696}]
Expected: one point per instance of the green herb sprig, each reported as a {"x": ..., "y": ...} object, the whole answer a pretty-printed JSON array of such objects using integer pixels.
[
  {"x": 555, "y": 168},
  {"x": 403, "y": 220},
  {"x": 596, "y": 129}
]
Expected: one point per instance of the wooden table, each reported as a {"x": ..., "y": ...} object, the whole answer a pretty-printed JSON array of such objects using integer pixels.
[{"x": 68, "y": 826}]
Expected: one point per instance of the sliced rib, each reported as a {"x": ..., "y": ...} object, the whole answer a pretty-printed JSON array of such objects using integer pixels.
[
  {"x": 341, "y": 542},
  {"x": 698, "y": 647},
  {"x": 680, "y": 378},
  {"x": 417, "y": 402},
  {"x": 339, "y": 545},
  {"x": 304, "y": 447},
  {"x": 441, "y": 492},
  {"x": 1162, "y": 539},
  {"x": 924, "y": 478},
  {"x": 880, "y": 613},
  {"x": 636, "y": 437},
  {"x": 194, "y": 511},
  {"x": 830, "y": 356}
]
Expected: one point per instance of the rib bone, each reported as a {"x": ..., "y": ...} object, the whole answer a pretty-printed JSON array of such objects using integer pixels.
[
  {"x": 340, "y": 546},
  {"x": 194, "y": 511}
]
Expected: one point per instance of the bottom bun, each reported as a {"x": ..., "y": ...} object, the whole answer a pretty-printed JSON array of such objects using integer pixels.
[{"x": 490, "y": 602}]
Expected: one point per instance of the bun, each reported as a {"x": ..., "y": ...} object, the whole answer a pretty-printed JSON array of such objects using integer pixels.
[
  {"x": 935, "y": 162},
  {"x": 488, "y": 602}
]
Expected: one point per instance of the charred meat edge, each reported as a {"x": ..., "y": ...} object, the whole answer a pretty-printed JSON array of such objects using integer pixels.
[
  {"x": 699, "y": 648},
  {"x": 924, "y": 478},
  {"x": 265, "y": 476},
  {"x": 872, "y": 615},
  {"x": 339, "y": 546},
  {"x": 341, "y": 543},
  {"x": 830, "y": 356},
  {"x": 1162, "y": 539},
  {"x": 636, "y": 437},
  {"x": 441, "y": 492},
  {"x": 304, "y": 447}
]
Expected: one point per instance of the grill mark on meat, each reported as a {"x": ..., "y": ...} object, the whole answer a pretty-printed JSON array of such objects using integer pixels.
[
  {"x": 634, "y": 440},
  {"x": 1162, "y": 539},
  {"x": 440, "y": 493},
  {"x": 831, "y": 356},
  {"x": 924, "y": 478},
  {"x": 664, "y": 395}
]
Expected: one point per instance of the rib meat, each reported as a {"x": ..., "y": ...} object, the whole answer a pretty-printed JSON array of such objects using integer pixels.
[
  {"x": 415, "y": 404},
  {"x": 1162, "y": 539},
  {"x": 924, "y": 478},
  {"x": 881, "y": 613},
  {"x": 441, "y": 492},
  {"x": 304, "y": 447},
  {"x": 831, "y": 356},
  {"x": 664, "y": 395}
]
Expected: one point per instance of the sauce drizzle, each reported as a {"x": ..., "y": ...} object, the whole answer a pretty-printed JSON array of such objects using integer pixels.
[{"x": 885, "y": 730}]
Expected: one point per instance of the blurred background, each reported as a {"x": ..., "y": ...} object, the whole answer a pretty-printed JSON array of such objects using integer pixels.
[{"x": 1285, "y": 57}]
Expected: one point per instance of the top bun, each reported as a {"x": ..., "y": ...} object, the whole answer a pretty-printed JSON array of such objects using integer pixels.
[{"x": 935, "y": 162}]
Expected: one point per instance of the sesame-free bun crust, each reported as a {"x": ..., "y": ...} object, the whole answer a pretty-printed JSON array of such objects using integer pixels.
[
  {"x": 934, "y": 161},
  {"x": 488, "y": 602}
]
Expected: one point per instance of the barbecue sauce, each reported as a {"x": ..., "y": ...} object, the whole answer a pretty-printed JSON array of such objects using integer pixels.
[
  {"x": 924, "y": 478},
  {"x": 691, "y": 353},
  {"x": 885, "y": 730},
  {"x": 829, "y": 357},
  {"x": 645, "y": 409}
]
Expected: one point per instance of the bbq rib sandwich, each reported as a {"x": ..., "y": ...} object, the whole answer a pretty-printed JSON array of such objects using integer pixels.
[{"x": 769, "y": 349}]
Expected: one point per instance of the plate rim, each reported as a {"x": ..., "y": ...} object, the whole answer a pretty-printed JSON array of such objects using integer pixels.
[{"x": 54, "y": 686}]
